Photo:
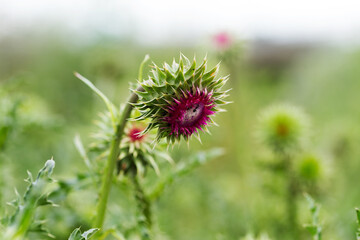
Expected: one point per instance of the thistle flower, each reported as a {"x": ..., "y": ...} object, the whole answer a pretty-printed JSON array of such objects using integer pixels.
[
  {"x": 222, "y": 40},
  {"x": 181, "y": 99},
  {"x": 282, "y": 128}
]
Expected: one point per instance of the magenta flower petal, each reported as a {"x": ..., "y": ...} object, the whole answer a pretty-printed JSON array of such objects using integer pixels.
[
  {"x": 189, "y": 113},
  {"x": 135, "y": 134}
]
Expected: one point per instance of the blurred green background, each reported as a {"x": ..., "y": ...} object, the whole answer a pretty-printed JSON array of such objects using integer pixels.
[{"x": 229, "y": 196}]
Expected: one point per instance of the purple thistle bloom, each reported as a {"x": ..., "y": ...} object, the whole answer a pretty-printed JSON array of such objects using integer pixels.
[
  {"x": 190, "y": 113},
  {"x": 181, "y": 99}
]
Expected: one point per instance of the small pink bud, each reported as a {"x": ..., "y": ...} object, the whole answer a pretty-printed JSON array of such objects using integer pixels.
[
  {"x": 222, "y": 40},
  {"x": 135, "y": 134}
]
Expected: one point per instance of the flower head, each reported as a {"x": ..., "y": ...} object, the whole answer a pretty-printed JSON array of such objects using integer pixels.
[
  {"x": 181, "y": 99},
  {"x": 282, "y": 127},
  {"x": 190, "y": 113},
  {"x": 309, "y": 167},
  {"x": 222, "y": 40}
]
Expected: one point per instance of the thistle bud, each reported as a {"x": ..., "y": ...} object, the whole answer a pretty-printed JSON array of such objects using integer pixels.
[
  {"x": 283, "y": 128},
  {"x": 222, "y": 40},
  {"x": 309, "y": 167},
  {"x": 136, "y": 152},
  {"x": 181, "y": 99}
]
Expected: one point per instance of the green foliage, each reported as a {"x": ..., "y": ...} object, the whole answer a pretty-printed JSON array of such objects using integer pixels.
[
  {"x": 8, "y": 111},
  {"x": 183, "y": 168},
  {"x": 358, "y": 222},
  {"x": 228, "y": 197},
  {"x": 23, "y": 221},
  {"x": 314, "y": 228},
  {"x": 77, "y": 235},
  {"x": 110, "y": 106}
]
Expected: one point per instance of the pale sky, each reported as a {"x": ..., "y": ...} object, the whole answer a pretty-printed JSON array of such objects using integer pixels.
[{"x": 160, "y": 21}]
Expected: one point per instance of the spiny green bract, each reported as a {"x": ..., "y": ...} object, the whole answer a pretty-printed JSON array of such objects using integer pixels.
[
  {"x": 169, "y": 94},
  {"x": 283, "y": 127}
]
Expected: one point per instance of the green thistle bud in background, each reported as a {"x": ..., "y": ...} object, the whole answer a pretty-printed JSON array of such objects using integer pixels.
[
  {"x": 283, "y": 128},
  {"x": 309, "y": 167},
  {"x": 181, "y": 99}
]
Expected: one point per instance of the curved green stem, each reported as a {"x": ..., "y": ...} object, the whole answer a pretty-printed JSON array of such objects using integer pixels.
[{"x": 111, "y": 161}]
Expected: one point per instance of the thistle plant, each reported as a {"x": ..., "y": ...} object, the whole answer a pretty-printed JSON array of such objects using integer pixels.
[
  {"x": 309, "y": 169},
  {"x": 223, "y": 40},
  {"x": 175, "y": 102},
  {"x": 228, "y": 49},
  {"x": 230, "y": 52},
  {"x": 283, "y": 129}
]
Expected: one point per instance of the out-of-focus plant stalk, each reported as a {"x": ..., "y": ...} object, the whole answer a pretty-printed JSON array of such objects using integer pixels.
[
  {"x": 291, "y": 195},
  {"x": 358, "y": 222},
  {"x": 2, "y": 183}
]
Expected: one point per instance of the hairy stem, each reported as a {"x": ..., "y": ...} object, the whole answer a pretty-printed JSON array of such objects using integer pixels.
[
  {"x": 144, "y": 207},
  {"x": 111, "y": 161}
]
